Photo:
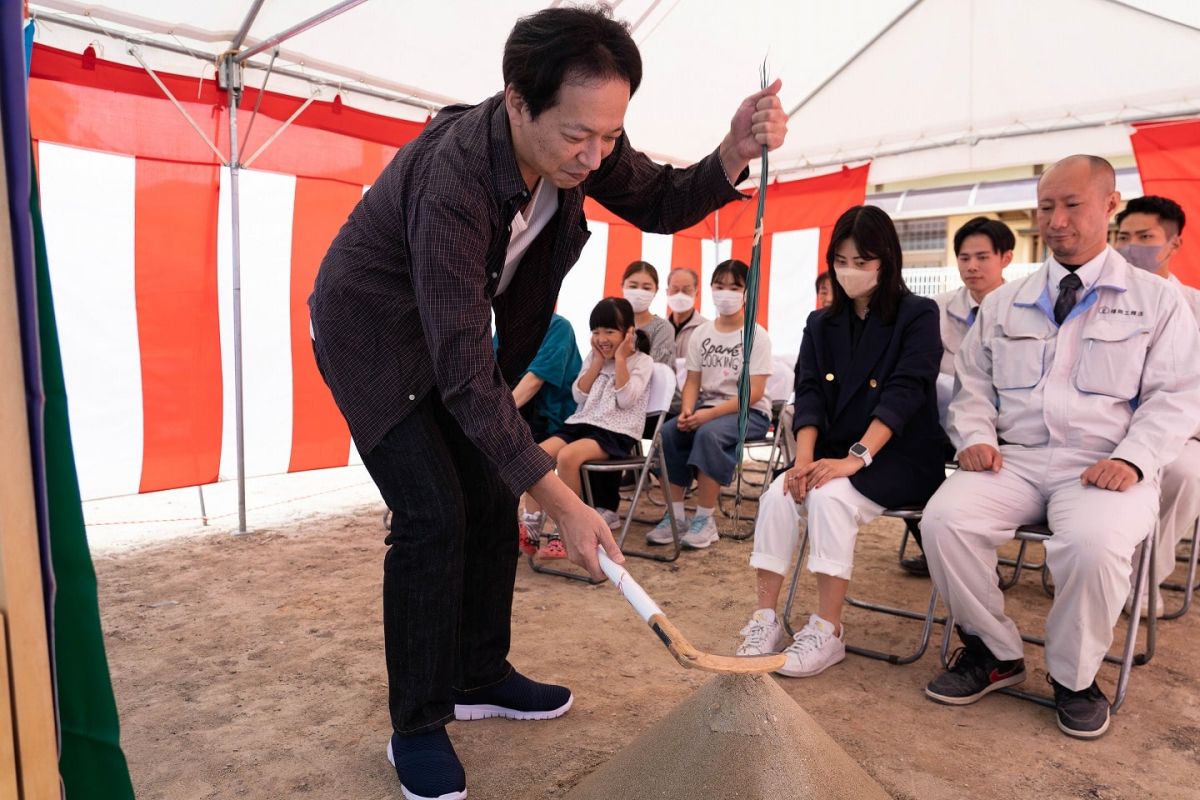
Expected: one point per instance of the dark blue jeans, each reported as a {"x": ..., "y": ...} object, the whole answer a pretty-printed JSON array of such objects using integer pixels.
[{"x": 448, "y": 574}]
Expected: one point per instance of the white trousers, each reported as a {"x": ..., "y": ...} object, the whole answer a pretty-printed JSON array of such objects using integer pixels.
[
  {"x": 1089, "y": 556},
  {"x": 833, "y": 514},
  {"x": 1179, "y": 507}
]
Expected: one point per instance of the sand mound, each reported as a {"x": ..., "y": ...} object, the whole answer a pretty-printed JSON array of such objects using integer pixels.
[{"x": 739, "y": 736}]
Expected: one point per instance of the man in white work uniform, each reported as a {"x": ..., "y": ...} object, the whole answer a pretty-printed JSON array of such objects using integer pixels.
[
  {"x": 983, "y": 247},
  {"x": 1149, "y": 235},
  {"x": 1076, "y": 385}
]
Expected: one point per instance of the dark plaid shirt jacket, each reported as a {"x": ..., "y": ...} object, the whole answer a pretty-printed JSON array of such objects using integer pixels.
[{"x": 403, "y": 299}]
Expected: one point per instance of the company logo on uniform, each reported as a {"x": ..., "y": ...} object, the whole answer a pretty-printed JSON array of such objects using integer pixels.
[{"x": 1124, "y": 312}]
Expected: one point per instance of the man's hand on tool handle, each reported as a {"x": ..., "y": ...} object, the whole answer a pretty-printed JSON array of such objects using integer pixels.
[{"x": 581, "y": 528}]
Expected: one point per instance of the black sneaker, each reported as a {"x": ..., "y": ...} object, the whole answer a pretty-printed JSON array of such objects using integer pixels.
[
  {"x": 915, "y": 566},
  {"x": 515, "y": 697},
  {"x": 427, "y": 766},
  {"x": 972, "y": 673},
  {"x": 1082, "y": 714}
]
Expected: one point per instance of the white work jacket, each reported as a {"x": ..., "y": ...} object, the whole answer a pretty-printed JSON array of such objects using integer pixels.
[
  {"x": 957, "y": 313},
  {"x": 1121, "y": 375}
]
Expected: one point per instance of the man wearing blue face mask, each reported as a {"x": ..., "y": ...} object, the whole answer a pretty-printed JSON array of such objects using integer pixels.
[{"x": 1149, "y": 234}]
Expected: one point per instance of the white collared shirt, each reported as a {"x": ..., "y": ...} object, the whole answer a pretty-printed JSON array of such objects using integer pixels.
[{"x": 1120, "y": 377}]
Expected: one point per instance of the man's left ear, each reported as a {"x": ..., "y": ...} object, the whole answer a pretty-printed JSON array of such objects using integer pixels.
[{"x": 515, "y": 105}]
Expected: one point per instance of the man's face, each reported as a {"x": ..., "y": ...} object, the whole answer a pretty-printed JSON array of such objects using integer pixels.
[
  {"x": 1074, "y": 207},
  {"x": 980, "y": 266},
  {"x": 1147, "y": 229},
  {"x": 568, "y": 141}
]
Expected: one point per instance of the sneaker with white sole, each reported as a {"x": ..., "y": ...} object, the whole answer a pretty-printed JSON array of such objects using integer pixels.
[
  {"x": 701, "y": 533},
  {"x": 612, "y": 518},
  {"x": 427, "y": 766},
  {"x": 515, "y": 697},
  {"x": 661, "y": 533},
  {"x": 763, "y": 635},
  {"x": 814, "y": 649}
]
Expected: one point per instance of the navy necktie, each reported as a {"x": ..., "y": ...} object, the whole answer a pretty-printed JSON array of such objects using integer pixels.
[{"x": 1068, "y": 287}]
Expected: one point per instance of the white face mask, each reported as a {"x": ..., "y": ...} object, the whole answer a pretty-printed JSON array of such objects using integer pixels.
[
  {"x": 639, "y": 299},
  {"x": 857, "y": 282},
  {"x": 728, "y": 302},
  {"x": 680, "y": 302}
]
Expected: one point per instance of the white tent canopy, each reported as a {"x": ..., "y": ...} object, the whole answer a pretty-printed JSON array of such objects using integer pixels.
[{"x": 925, "y": 87}]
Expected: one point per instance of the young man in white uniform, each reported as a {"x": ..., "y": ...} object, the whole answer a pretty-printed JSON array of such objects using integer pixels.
[
  {"x": 1077, "y": 384},
  {"x": 983, "y": 247},
  {"x": 1149, "y": 234}
]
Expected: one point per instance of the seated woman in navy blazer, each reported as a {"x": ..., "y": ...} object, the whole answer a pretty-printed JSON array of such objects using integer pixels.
[{"x": 867, "y": 434}]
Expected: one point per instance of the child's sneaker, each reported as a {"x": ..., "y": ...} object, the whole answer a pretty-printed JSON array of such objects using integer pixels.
[
  {"x": 701, "y": 533},
  {"x": 553, "y": 548},
  {"x": 764, "y": 635},
  {"x": 611, "y": 518},
  {"x": 661, "y": 533},
  {"x": 814, "y": 649}
]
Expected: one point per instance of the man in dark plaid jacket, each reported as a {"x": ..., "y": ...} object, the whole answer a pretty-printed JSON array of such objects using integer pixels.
[{"x": 484, "y": 212}]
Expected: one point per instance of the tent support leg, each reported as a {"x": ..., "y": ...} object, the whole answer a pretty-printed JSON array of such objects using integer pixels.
[{"x": 231, "y": 76}]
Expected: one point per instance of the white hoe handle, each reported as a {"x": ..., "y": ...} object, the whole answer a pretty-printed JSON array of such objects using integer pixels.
[{"x": 626, "y": 585}]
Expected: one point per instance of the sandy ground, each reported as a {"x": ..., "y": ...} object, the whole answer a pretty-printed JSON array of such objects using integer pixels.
[{"x": 253, "y": 667}]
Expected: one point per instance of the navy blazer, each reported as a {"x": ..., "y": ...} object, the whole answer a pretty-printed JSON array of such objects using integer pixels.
[{"x": 891, "y": 375}]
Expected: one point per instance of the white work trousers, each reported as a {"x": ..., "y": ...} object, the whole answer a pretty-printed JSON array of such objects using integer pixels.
[
  {"x": 1180, "y": 505},
  {"x": 1090, "y": 555},
  {"x": 833, "y": 514}
]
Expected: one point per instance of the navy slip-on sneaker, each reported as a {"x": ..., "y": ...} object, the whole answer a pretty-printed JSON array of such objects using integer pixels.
[
  {"x": 515, "y": 697},
  {"x": 427, "y": 766}
]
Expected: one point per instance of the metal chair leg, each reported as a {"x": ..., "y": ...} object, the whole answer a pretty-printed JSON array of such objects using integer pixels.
[{"x": 1189, "y": 587}]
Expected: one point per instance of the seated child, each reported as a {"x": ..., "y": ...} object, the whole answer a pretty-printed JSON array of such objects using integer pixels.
[{"x": 612, "y": 398}]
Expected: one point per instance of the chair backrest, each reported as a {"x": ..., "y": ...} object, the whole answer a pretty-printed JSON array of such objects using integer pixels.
[
  {"x": 782, "y": 379},
  {"x": 661, "y": 389},
  {"x": 681, "y": 372}
]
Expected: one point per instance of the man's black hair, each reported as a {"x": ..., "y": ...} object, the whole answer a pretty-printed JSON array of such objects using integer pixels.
[
  {"x": 1000, "y": 235},
  {"x": 558, "y": 44},
  {"x": 1169, "y": 214}
]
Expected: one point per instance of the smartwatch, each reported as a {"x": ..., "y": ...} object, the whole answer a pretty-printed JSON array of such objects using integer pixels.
[{"x": 859, "y": 450}]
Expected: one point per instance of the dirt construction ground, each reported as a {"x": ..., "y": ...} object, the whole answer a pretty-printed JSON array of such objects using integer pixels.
[{"x": 252, "y": 667}]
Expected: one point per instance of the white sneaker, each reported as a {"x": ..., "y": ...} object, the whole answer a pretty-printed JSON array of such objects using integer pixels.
[
  {"x": 533, "y": 521},
  {"x": 814, "y": 649},
  {"x": 611, "y": 517},
  {"x": 701, "y": 533},
  {"x": 661, "y": 533},
  {"x": 764, "y": 635}
]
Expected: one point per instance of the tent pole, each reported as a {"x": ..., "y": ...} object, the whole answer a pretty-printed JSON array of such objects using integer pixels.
[
  {"x": 240, "y": 36},
  {"x": 298, "y": 28},
  {"x": 231, "y": 76}
]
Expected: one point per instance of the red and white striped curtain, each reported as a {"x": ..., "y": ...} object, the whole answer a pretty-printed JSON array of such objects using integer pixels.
[{"x": 137, "y": 226}]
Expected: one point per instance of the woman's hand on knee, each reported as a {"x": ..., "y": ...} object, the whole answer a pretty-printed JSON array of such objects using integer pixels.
[
  {"x": 795, "y": 481},
  {"x": 823, "y": 471}
]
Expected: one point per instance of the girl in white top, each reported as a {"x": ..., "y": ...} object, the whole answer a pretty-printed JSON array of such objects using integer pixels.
[
  {"x": 702, "y": 440},
  {"x": 612, "y": 397}
]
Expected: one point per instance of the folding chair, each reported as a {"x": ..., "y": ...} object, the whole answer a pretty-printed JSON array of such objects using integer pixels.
[
  {"x": 661, "y": 389},
  {"x": 927, "y": 618},
  {"x": 1143, "y": 571},
  {"x": 779, "y": 384},
  {"x": 1189, "y": 587}
]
